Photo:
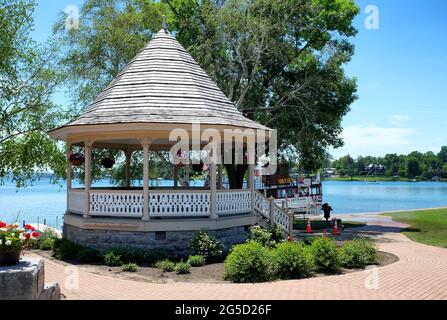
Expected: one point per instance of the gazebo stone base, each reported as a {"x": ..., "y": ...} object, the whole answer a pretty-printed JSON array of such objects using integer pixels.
[{"x": 174, "y": 243}]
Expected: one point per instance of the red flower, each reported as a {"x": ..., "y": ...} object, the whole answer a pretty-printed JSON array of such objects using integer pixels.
[
  {"x": 27, "y": 235},
  {"x": 28, "y": 227},
  {"x": 35, "y": 234},
  {"x": 32, "y": 229},
  {"x": 2, "y": 224}
]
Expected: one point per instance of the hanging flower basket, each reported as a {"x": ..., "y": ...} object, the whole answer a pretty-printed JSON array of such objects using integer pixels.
[
  {"x": 108, "y": 163},
  {"x": 12, "y": 240},
  {"x": 76, "y": 159}
]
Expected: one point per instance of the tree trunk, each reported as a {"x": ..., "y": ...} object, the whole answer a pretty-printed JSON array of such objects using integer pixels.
[{"x": 236, "y": 175}]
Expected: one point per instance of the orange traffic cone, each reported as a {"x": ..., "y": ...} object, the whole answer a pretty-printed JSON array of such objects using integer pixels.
[
  {"x": 308, "y": 228},
  {"x": 335, "y": 231}
]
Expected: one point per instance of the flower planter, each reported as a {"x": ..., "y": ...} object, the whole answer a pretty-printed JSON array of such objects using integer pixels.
[
  {"x": 76, "y": 159},
  {"x": 197, "y": 167},
  {"x": 9, "y": 258},
  {"x": 107, "y": 163}
]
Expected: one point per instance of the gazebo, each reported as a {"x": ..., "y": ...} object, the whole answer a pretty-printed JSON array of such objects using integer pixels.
[{"x": 161, "y": 93}]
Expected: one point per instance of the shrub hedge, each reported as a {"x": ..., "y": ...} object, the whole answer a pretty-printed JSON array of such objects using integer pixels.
[
  {"x": 358, "y": 253},
  {"x": 249, "y": 262},
  {"x": 325, "y": 255},
  {"x": 292, "y": 261}
]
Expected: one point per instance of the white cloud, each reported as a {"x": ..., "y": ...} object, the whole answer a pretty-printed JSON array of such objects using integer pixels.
[
  {"x": 398, "y": 120},
  {"x": 375, "y": 140}
]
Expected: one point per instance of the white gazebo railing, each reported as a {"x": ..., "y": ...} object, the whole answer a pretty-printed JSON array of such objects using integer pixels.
[
  {"x": 179, "y": 203},
  {"x": 269, "y": 210},
  {"x": 116, "y": 203},
  {"x": 233, "y": 201}
]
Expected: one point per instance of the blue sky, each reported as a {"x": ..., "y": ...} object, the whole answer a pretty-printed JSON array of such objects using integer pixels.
[{"x": 401, "y": 69}]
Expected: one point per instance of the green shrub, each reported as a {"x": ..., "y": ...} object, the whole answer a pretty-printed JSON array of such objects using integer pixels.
[
  {"x": 182, "y": 268},
  {"x": 89, "y": 255},
  {"x": 129, "y": 267},
  {"x": 64, "y": 249},
  {"x": 269, "y": 237},
  {"x": 325, "y": 255},
  {"x": 196, "y": 260},
  {"x": 154, "y": 256},
  {"x": 165, "y": 265},
  {"x": 277, "y": 233},
  {"x": 358, "y": 253},
  {"x": 207, "y": 246},
  {"x": 249, "y": 262},
  {"x": 292, "y": 261},
  {"x": 46, "y": 240},
  {"x": 261, "y": 236},
  {"x": 112, "y": 258},
  {"x": 46, "y": 244}
]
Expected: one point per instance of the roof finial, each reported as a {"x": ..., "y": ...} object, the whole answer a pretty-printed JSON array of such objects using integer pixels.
[{"x": 164, "y": 25}]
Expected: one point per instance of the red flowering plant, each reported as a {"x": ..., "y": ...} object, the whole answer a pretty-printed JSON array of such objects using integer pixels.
[{"x": 13, "y": 238}]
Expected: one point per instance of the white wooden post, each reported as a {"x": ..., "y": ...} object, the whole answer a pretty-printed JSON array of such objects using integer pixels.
[
  {"x": 145, "y": 145},
  {"x": 175, "y": 176},
  {"x": 128, "y": 153},
  {"x": 87, "y": 175},
  {"x": 219, "y": 177},
  {"x": 251, "y": 185},
  {"x": 187, "y": 166},
  {"x": 213, "y": 208},
  {"x": 69, "y": 168}
]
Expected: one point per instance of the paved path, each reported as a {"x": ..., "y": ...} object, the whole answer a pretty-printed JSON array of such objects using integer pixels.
[{"x": 421, "y": 273}]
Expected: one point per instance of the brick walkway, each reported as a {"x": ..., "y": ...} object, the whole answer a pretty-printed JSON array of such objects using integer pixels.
[{"x": 419, "y": 274}]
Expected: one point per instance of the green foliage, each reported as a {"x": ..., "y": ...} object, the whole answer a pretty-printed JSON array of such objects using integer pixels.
[
  {"x": 207, "y": 246},
  {"x": 129, "y": 267},
  {"x": 182, "y": 268},
  {"x": 196, "y": 260},
  {"x": 285, "y": 71},
  {"x": 325, "y": 255},
  {"x": 358, "y": 253},
  {"x": 292, "y": 261},
  {"x": 249, "y": 262},
  {"x": 89, "y": 255},
  {"x": 111, "y": 258},
  {"x": 414, "y": 165},
  {"x": 269, "y": 237},
  {"x": 64, "y": 250},
  {"x": 28, "y": 80},
  {"x": 46, "y": 240},
  {"x": 165, "y": 265}
]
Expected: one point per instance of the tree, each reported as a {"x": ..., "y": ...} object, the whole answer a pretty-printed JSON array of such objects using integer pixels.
[
  {"x": 281, "y": 62},
  {"x": 27, "y": 82},
  {"x": 442, "y": 155},
  {"x": 413, "y": 167},
  {"x": 346, "y": 166}
]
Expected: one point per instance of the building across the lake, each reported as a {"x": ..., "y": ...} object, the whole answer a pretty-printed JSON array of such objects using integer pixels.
[{"x": 161, "y": 90}]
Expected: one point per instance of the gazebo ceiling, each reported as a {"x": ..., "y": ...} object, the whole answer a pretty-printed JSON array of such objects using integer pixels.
[{"x": 163, "y": 84}]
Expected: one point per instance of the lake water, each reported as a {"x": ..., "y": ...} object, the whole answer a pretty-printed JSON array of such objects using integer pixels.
[{"x": 48, "y": 201}]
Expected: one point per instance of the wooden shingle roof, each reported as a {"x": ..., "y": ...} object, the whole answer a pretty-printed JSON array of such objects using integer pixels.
[{"x": 163, "y": 84}]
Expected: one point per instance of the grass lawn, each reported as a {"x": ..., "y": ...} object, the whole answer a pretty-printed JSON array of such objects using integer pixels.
[
  {"x": 427, "y": 226},
  {"x": 300, "y": 224}
]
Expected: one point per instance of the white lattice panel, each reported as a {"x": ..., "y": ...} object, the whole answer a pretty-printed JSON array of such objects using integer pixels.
[
  {"x": 262, "y": 204},
  {"x": 179, "y": 204},
  {"x": 280, "y": 217},
  {"x": 116, "y": 204},
  {"x": 233, "y": 202}
]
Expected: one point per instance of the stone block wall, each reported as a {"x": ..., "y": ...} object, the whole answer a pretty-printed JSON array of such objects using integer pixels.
[{"x": 174, "y": 243}]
